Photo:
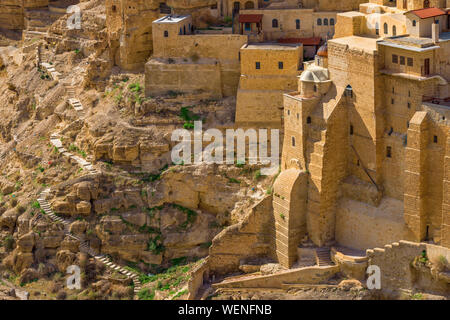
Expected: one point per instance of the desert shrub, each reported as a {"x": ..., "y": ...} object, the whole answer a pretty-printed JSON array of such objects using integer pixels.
[
  {"x": 146, "y": 294},
  {"x": 8, "y": 243},
  {"x": 61, "y": 295}
]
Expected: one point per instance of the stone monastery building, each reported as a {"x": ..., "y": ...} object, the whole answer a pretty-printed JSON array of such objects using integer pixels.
[{"x": 360, "y": 89}]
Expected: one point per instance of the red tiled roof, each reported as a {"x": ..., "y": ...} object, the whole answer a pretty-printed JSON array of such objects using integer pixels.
[
  {"x": 428, "y": 13},
  {"x": 315, "y": 41},
  {"x": 250, "y": 18}
]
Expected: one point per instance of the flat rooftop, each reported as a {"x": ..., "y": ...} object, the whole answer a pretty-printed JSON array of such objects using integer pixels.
[
  {"x": 351, "y": 14},
  {"x": 415, "y": 43},
  {"x": 271, "y": 46},
  {"x": 354, "y": 42},
  {"x": 171, "y": 19}
]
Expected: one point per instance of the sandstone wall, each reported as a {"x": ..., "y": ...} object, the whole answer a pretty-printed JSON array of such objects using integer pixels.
[
  {"x": 260, "y": 93},
  {"x": 11, "y": 14},
  {"x": 363, "y": 226},
  {"x": 399, "y": 269},
  {"x": 194, "y": 47},
  {"x": 289, "y": 210},
  {"x": 202, "y": 77},
  {"x": 250, "y": 238}
]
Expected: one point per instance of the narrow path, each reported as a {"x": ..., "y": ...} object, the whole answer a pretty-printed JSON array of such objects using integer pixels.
[
  {"x": 84, "y": 247},
  {"x": 55, "y": 140}
]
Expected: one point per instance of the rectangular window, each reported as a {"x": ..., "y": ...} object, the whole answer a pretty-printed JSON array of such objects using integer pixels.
[
  {"x": 389, "y": 152},
  {"x": 410, "y": 62},
  {"x": 409, "y": 105},
  {"x": 435, "y": 139},
  {"x": 394, "y": 58},
  {"x": 280, "y": 65},
  {"x": 258, "y": 65},
  {"x": 392, "y": 101},
  {"x": 297, "y": 24},
  {"x": 402, "y": 60}
]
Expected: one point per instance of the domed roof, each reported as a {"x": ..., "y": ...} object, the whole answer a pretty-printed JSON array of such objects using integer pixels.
[
  {"x": 323, "y": 50},
  {"x": 314, "y": 74}
]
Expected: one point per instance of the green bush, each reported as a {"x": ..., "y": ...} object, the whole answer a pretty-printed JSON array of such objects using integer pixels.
[
  {"x": 8, "y": 243},
  {"x": 146, "y": 294},
  {"x": 35, "y": 205}
]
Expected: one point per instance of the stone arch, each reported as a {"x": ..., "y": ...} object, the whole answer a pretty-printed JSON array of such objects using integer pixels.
[{"x": 249, "y": 5}]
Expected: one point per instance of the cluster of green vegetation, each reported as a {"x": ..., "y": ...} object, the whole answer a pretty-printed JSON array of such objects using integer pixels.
[
  {"x": 231, "y": 180},
  {"x": 189, "y": 117},
  {"x": 190, "y": 216},
  {"x": 166, "y": 279},
  {"x": 154, "y": 177},
  {"x": 137, "y": 90},
  {"x": 151, "y": 211},
  {"x": 423, "y": 257},
  {"x": 74, "y": 148},
  {"x": 154, "y": 244},
  {"x": 8, "y": 243},
  {"x": 44, "y": 75}
]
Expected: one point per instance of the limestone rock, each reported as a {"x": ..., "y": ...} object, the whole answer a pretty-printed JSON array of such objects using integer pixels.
[
  {"x": 65, "y": 258},
  {"x": 8, "y": 219},
  {"x": 83, "y": 207},
  {"x": 78, "y": 227},
  {"x": 26, "y": 242},
  {"x": 28, "y": 275}
]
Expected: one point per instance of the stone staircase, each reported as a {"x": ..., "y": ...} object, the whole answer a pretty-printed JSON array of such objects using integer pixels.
[
  {"x": 73, "y": 100},
  {"x": 323, "y": 257},
  {"x": 51, "y": 70},
  {"x": 86, "y": 165},
  {"x": 84, "y": 247}
]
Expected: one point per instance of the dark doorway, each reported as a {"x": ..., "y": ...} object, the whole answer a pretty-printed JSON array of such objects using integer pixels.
[{"x": 426, "y": 67}]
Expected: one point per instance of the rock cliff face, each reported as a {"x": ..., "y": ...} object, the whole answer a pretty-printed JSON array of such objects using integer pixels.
[{"x": 141, "y": 210}]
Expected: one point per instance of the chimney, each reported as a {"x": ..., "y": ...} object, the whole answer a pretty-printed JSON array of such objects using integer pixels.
[{"x": 435, "y": 32}]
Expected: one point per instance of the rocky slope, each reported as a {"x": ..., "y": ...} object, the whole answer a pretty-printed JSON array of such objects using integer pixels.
[{"x": 141, "y": 210}]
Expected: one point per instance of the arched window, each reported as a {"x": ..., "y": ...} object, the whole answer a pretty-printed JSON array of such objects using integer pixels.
[
  {"x": 426, "y": 4},
  {"x": 386, "y": 28},
  {"x": 297, "y": 24},
  {"x": 414, "y": 23},
  {"x": 293, "y": 141},
  {"x": 249, "y": 5},
  {"x": 166, "y": 34},
  {"x": 394, "y": 31},
  {"x": 319, "y": 22},
  {"x": 274, "y": 23},
  {"x": 331, "y": 22},
  {"x": 308, "y": 120},
  {"x": 325, "y": 22}
]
